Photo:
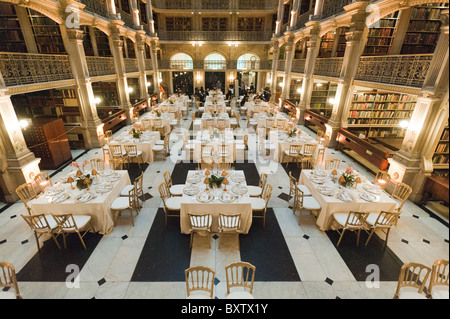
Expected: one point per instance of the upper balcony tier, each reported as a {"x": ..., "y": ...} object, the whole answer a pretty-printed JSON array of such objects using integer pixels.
[{"x": 253, "y": 5}]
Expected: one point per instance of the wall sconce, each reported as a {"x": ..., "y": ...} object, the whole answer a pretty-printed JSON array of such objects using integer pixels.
[{"x": 24, "y": 124}]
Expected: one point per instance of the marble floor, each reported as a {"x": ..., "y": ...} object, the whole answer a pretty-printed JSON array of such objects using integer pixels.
[{"x": 294, "y": 260}]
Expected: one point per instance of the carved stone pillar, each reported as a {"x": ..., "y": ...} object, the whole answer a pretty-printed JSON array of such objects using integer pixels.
[
  {"x": 276, "y": 54},
  {"x": 135, "y": 14},
  {"x": 154, "y": 57},
  {"x": 312, "y": 50},
  {"x": 353, "y": 50},
  {"x": 18, "y": 164},
  {"x": 116, "y": 44},
  {"x": 149, "y": 12},
  {"x": 294, "y": 13},
  {"x": 91, "y": 124},
  {"x": 140, "y": 55},
  {"x": 290, "y": 51},
  {"x": 280, "y": 15}
]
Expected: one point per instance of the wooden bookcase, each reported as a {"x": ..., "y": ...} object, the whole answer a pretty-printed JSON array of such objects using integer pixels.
[
  {"x": 380, "y": 114},
  {"x": 441, "y": 154},
  {"x": 47, "y": 139},
  {"x": 424, "y": 29},
  {"x": 10, "y": 31},
  {"x": 342, "y": 42},
  {"x": 178, "y": 24},
  {"x": 214, "y": 24},
  {"x": 326, "y": 45},
  {"x": 102, "y": 40},
  {"x": 47, "y": 34},
  {"x": 321, "y": 95},
  {"x": 251, "y": 24},
  {"x": 381, "y": 35}
]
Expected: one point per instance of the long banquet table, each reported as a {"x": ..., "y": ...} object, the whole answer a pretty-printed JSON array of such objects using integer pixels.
[
  {"x": 98, "y": 207},
  {"x": 145, "y": 143},
  {"x": 190, "y": 203},
  {"x": 330, "y": 200},
  {"x": 283, "y": 142}
]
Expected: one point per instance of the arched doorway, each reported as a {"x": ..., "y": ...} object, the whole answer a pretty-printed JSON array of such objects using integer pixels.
[
  {"x": 216, "y": 78},
  {"x": 182, "y": 81},
  {"x": 248, "y": 78}
]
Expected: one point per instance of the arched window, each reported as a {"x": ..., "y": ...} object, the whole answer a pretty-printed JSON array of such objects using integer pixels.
[
  {"x": 181, "y": 61},
  {"x": 215, "y": 61},
  {"x": 248, "y": 61}
]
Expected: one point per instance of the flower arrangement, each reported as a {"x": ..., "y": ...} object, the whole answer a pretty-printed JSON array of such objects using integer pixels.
[
  {"x": 136, "y": 133},
  {"x": 348, "y": 178},
  {"x": 82, "y": 180},
  {"x": 214, "y": 180},
  {"x": 292, "y": 132}
]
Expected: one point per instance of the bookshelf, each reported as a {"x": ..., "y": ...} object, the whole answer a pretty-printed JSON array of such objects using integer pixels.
[
  {"x": 47, "y": 34},
  {"x": 342, "y": 42},
  {"x": 379, "y": 114},
  {"x": 423, "y": 29},
  {"x": 102, "y": 40},
  {"x": 10, "y": 30},
  {"x": 326, "y": 45},
  {"x": 215, "y": 24},
  {"x": 381, "y": 35},
  {"x": 251, "y": 24},
  {"x": 178, "y": 24},
  {"x": 441, "y": 154},
  {"x": 321, "y": 98},
  {"x": 296, "y": 84}
]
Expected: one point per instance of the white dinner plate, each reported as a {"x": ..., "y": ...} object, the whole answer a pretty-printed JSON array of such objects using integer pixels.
[
  {"x": 191, "y": 190},
  {"x": 227, "y": 197},
  {"x": 345, "y": 197},
  {"x": 205, "y": 197},
  {"x": 374, "y": 189},
  {"x": 239, "y": 189},
  {"x": 324, "y": 190},
  {"x": 85, "y": 197},
  {"x": 369, "y": 197},
  {"x": 54, "y": 190},
  {"x": 59, "y": 198},
  {"x": 102, "y": 189}
]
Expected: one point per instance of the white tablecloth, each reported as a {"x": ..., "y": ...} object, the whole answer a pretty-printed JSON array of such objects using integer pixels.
[
  {"x": 190, "y": 204},
  {"x": 165, "y": 117},
  {"x": 332, "y": 204},
  {"x": 253, "y": 108},
  {"x": 224, "y": 138},
  {"x": 98, "y": 208},
  {"x": 283, "y": 142},
  {"x": 201, "y": 123},
  {"x": 144, "y": 144}
]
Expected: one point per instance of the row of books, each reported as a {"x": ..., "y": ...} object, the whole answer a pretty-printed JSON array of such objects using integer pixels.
[
  {"x": 374, "y": 32},
  {"x": 445, "y": 135},
  {"x": 440, "y": 159},
  {"x": 381, "y": 97},
  {"x": 442, "y": 148},
  {"x": 369, "y": 121},
  {"x": 379, "y": 41},
  {"x": 426, "y": 13},
  {"x": 422, "y": 25},
  {"x": 421, "y": 38}
]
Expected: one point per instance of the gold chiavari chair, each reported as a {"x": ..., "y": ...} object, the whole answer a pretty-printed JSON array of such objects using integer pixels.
[
  {"x": 118, "y": 154},
  {"x": 307, "y": 163},
  {"x": 380, "y": 221},
  {"x": 175, "y": 190},
  {"x": 26, "y": 193},
  {"x": 293, "y": 153},
  {"x": 70, "y": 224},
  {"x": 332, "y": 163},
  {"x": 229, "y": 224},
  {"x": 172, "y": 204},
  {"x": 199, "y": 279},
  {"x": 382, "y": 179},
  {"x": 323, "y": 143},
  {"x": 97, "y": 164},
  {"x": 205, "y": 165},
  {"x": 223, "y": 151},
  {"x": 42, "y": 225},
  {"x": 240, "y": 274},
  {"x": 158, "y": 126},
  {"x": 164, "y": 149},
  {"x": 308, "y": 150},
  {"x": 259, "y": 205},
  {"x": 438, "y": 287},
  {"x": 303, "y": 202},
  {"x": 122, "y": 203},
  {"x": 224, "y": 166},
  {"x": 256, "y": 191},
  {"x": 293, "y": 185},
  {"x": 200, "y": 224},
  {"x": 43, "y": 180},
  {"x": 133, "y": 154},
  {"x": 138, "y": 186},
  {"x": 8, "y": 280},
  {"x": 146, "y": 124},
  {"x": 401, "y": 192},
  {"x": 352, "y": 221},
  {"x": 207, "y": 151},
  {"x": 412, "y": 281}
]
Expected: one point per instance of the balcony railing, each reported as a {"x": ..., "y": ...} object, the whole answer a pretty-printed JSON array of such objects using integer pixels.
[
  {"x": 215, "y": 65},
  {"x": 131, "y": 65},
  {"x": 24, "y": 68},
  {"x": 334, "y": 7},
  {"x": 96, "y": 7},
  {"x": 214, "y": 36},
  {"x": 148, "y": 65},
  {"x": 298, "y": 65},
  {"x": 99, "y": 66},
  {"x": 216, "y": 5},
  {"x": 329, "y": 67},
  {"x": 407, "y": 70}
]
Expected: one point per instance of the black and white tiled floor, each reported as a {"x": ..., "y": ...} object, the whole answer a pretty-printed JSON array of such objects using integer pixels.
[{"x": 147, "y": 261}]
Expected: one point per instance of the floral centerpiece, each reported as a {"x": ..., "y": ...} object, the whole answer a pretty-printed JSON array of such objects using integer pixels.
[
  {"x": 214, "y": 180},
  {"x": 292, "y": 132},
  {"x": 82, "y": 180},
  {"x": 348, "y": 178},
  {"x": 136, "y": 133}
]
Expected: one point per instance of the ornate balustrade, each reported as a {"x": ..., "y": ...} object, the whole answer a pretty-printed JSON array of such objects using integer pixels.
[
  {"x": 148, "y": 64},
  {"x": 216, "y": 5},
  {"x": 131, "y": 65},
  {"x": 407, "y": 70},
  {"x": 96, "y": 7},
  {"x": 280, "y": 66},
  {"x": 329, "y": 67},
  {"x": 298, "y": 65},
  {"x": 99, "y": 66},
  {"x": 24, "y": 68},
  {"x": 334, "y": 7},
  {"x": 214, "y": 36}
]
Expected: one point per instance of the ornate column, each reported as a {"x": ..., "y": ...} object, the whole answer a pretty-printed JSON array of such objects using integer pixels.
[
  {"x": 154, "y": 57},
  {"x": 318, "y": 8},
  {"x": 149, "y": 12},
  {"x": 92, "y": 126},
  {"x": 294, "y": 13},
  {"x": 411, "y": 164},
  {"x": 140, "y": 55},
  {"x": 18, "y": 164},
  {"x": 135, "y": 14},
  {"x": 280, "y": 15},
  {"x": 312, "y": 50},
  {"x": 276, "y": 54},
  {"x": 290, "y": 51},
  {"x": 353, "y": 50},
  {"x": 116, "y": 44}
]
